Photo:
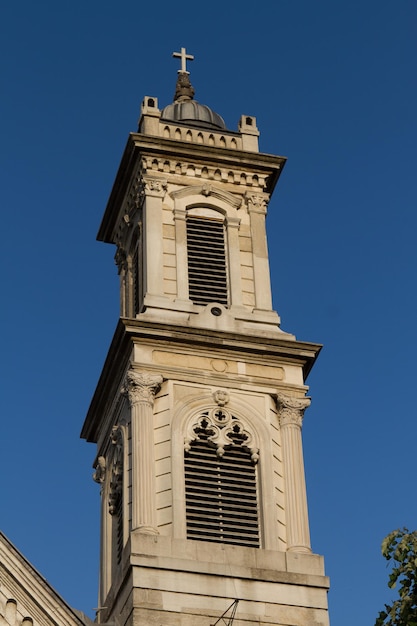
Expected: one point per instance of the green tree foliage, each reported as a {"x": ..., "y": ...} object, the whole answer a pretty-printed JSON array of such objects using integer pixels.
[{"x": 400, "y": 547}]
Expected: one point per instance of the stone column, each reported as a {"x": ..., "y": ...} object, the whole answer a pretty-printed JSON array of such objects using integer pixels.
[
  {"x": 140, "y": 388},
  {"x": 290, "y": 413}
]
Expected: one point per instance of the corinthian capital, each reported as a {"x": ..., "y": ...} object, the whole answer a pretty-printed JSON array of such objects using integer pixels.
[
  {"x": 291, "y": 410},
  {"x": 141, "y": 387}
]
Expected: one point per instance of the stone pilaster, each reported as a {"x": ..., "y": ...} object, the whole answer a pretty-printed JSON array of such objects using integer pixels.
[
  {"x": 181, "y": 252},
  {"x": 154, "y": 190},
  {"x": 257, "y": 204},
  {"x": 140, "y": 388},
  {"x": 234, "y": 262},
  {"x": 290, "y": 413}
]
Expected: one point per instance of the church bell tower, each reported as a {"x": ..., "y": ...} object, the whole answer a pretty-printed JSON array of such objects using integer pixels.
[{"x": 198, "y": 411}]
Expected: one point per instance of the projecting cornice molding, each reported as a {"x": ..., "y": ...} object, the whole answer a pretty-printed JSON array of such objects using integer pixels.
[{"x": 26, "y": 598}]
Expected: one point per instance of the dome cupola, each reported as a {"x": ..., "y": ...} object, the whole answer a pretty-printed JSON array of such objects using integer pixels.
[{"x": 185, "y": 109}]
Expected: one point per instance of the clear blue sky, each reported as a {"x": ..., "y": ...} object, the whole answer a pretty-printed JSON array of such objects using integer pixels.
[{"x": 333, "y": 87}]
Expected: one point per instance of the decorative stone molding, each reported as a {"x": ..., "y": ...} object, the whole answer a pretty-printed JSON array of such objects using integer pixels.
[
  {"x": 291, "y": 410},
  {"x": 116, "y": 480},
  {"x": 155, "y": 187},
  {"x": 11, "y": 616},
  {"x": 120, "y": 259},
  {"x": 141, "y": 387},
  {"x": 257, "y": 203},
  {"x": 221, "y": 397},
  {"x": 221, "y": 428},
  {"x": 208, "y": 190},
  {"x": 100, "y": 473},
  {"x": 185, "y": 168}
]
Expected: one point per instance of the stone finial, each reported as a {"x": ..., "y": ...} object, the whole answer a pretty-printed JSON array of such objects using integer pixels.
[{"x": 183, "y": 89}]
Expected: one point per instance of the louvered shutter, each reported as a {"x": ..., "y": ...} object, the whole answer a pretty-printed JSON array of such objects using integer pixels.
[
  {"x": 207, "y": 271},
  {"x": 221, "y": 495}
]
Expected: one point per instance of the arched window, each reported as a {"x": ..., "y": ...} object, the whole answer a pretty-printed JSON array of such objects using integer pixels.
[
  {"x": 207, "y": 266},
  {"x": 221, "y": 486}
]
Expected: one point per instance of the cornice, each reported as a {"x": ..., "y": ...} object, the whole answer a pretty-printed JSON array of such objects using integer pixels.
[
  {"x": 130, "y": 331},
  {"x": 30, "y": 589},
  {"x": 146, "y": 146}
]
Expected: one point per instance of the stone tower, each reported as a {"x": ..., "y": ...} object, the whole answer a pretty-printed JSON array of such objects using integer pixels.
[{"x": 198, "y": 411}]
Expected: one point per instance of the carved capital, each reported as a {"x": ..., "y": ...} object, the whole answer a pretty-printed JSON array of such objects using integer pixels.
[
  {"x": 257, "y": 203},
  {"x": 291, "y": 410},
  {"x": 155, "y": 187},
  {"x": 141, "y": 387}
]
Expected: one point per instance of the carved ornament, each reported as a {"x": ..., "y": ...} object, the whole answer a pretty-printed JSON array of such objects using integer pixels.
[
  {"x": 155, "y": 187},
  {"x": 291, "y": 410},
  {"x": 116, "y": 479},
  {"x": 120, "y": 259},
  {"x": 100, "y": 473},
  {"x": 221, "y": 397},
  {"x": 222, "y": 429},
  {"x": 257, "y": 203},
  {"x": 185, "y": 168},
  {"x": 141, "y": 387}
]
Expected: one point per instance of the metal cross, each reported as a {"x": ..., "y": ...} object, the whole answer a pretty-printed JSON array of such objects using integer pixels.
[{"x": 184, "y": 57}]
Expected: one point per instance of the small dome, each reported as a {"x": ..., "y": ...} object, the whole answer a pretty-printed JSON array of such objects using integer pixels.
[{"x": 193, "y": 113}]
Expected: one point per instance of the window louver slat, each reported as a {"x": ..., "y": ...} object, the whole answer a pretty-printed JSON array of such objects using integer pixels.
[
  {"x": 207, "y": 272},
  {"x": 221, "y": 495}
]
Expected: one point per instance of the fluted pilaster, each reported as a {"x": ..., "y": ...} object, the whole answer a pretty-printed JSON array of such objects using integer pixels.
[
  {"x": 140, "y": 388},
  {"x": 290, "y": 412}
]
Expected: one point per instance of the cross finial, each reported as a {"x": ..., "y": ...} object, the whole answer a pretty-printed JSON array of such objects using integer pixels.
[{"x": 184, "y": 57}]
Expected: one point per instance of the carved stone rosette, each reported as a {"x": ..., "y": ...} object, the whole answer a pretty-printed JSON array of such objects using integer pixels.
[{"x": 141, "y": 387}]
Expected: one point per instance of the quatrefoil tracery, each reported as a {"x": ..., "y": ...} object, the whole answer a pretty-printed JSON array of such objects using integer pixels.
[{"x": 222, "y": 429}]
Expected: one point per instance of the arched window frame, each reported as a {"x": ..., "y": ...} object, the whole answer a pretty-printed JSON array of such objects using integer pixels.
[
  {"x": 225, "y": 205},
  {"x": 185, "y": 415}
]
